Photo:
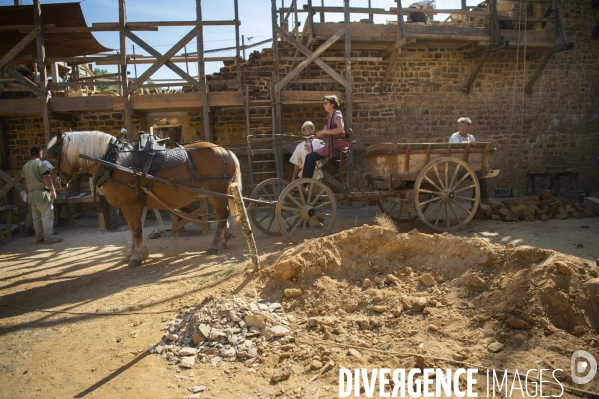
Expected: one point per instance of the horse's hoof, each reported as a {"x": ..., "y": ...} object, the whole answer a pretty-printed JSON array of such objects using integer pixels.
[
  {"x": 127, "y": 258},
  {"x": 211, "y": 251},
  {"x": 134, "y": 263}
]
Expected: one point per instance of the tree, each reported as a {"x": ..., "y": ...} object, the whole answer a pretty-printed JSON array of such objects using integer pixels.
[{"x": 99, "y": 72}]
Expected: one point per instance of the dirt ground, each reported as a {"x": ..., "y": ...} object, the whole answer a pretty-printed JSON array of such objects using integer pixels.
[{"x": 77, "y": 322}]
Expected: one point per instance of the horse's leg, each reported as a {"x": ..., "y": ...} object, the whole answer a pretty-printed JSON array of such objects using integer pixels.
[
  {"x": 138, "y": 251},
  {"x": 221, "y": 209}
]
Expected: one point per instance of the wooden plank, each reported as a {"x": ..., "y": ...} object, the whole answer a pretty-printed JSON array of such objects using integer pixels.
[
  {"x": 21, "y": 107},
  {"x": 71, "y": 104},
  {"x": 307, "y": 96},
  {"x": 181, "y": 101}
]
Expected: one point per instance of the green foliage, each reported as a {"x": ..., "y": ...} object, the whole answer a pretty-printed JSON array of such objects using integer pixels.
[{"x": 98, "y": 72}]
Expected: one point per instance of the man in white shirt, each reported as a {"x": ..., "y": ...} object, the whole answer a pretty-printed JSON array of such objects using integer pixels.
[
  {"x": 420, "y": 16},
  {"x": 298, "y": 157},
  {"x": 462, "y": 136}
]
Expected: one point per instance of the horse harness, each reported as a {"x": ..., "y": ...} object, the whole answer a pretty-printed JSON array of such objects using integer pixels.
[{"x": 150, "y": 156}]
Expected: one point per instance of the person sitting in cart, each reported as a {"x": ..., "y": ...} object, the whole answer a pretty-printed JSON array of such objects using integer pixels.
[
  {"x": 298, "y": 158},
  {"x": 462, "y": 136},
  {"x": 334, "y": 131}
]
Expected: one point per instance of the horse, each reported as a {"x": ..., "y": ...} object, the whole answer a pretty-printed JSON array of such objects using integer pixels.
[{"x": 209, "y": 167}]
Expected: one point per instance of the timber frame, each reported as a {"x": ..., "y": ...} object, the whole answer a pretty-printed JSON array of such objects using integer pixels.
[
  {"x": 311, "y": 44},
  {"x": 132, "y": 105}
]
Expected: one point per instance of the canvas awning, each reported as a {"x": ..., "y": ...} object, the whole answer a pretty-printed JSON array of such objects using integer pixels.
[{"x": 69, "y": 44}]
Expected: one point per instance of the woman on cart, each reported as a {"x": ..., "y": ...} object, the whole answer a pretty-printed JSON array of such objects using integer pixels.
[{"x": 333, "y": 132}]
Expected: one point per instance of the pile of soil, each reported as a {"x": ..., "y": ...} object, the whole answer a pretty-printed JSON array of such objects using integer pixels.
[{"x": 369, "y": 297}]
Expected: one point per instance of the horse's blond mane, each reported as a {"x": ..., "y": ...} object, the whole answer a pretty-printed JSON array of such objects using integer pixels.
[{"x": 92, "y": 143}]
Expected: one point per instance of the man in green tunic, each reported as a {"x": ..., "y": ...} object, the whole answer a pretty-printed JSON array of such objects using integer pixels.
[{"x": 40, "y": 194}]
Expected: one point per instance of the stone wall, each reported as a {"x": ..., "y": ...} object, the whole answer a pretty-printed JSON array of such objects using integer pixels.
[{"x": 558, "y": 124}]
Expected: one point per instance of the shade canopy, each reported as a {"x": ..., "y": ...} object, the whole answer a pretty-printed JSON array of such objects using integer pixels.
[{"x": 69, "y": 44}]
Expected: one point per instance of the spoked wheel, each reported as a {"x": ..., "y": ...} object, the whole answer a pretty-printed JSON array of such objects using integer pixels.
[
  {"x": 398, "y": 210},
  {"x": 263, "y": 216},
  {"x": 306, "y": 209},
  {"x": 454, "y": 194}
]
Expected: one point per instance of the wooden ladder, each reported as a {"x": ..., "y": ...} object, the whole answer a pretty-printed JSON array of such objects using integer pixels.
[{"x": 262, "y": 161}]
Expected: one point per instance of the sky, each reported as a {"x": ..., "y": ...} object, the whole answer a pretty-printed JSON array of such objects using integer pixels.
[{"x": 255, "y": 16}]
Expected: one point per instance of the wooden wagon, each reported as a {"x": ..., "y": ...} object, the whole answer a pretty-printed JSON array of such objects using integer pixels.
[{"x": 436, "y": 182}]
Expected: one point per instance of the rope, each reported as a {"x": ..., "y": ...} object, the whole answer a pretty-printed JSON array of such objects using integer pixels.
[{"x": 516, "y": 72}]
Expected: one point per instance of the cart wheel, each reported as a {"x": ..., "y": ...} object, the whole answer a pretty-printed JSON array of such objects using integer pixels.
[
  {"x": 454, "y": 194},
  {"x": 306, "y": 209},
  {"x": 263, "y": 216},
  {"x": 397, "y": 209}
]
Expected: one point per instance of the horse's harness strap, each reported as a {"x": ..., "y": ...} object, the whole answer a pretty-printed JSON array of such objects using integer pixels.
[
  {"x": 103, "y": 173},
  {"x": 190, "y": 164}
]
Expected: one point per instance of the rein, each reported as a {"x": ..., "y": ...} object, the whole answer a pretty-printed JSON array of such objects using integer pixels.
[{"x": 60, "y": 176}]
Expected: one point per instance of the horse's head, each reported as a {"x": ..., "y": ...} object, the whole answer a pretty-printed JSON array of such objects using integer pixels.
[{"x": 57, "y": 155}]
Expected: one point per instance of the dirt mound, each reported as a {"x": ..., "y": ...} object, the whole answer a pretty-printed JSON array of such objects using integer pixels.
[{"x": 407, "y": 299}]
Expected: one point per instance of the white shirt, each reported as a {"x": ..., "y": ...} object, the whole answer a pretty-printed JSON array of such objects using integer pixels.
[
  {"x": 48, "y": 164},
  {"x": 299, "y": 157},
  {"x": 458, "y": 138},
  {"x": 424, "y": 4}
]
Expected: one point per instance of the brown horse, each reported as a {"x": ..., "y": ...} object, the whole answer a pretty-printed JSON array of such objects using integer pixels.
[{"x": 215, "y": 170}]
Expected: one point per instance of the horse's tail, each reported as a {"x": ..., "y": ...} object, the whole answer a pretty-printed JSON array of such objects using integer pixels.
[{"x": 233, "y": 211}]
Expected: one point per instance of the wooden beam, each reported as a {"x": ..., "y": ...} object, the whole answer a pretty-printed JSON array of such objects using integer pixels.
[
  {"x": 349, "y": 96},
  {"x": 353, "y": 59},
  {"x": 474, "y": 74},
  {"x": 174, "y": 102},
  {"x": 388, "y": 72},
  {"x": 123, "y": 70},
  {"x": 311, "y": 57},
  {"x": 72, "y": 29},
  {"x": 202, "y": 74},
  {"x": 11, "y": 182},
  {"x": 542, "y": 64},
  {"x": 86, "y": 60},
  {"x": 395, "y": 47},
  {"x": 163, "y": 23},
  {"x": 19, "y": 46},
  {"x": 24, "y": 81},
  {"x": 163, "y": 59},
  {"x": 316, "y": 97},
  {"x": 81, "y": 104},
  {"x": 21, "y": 107},
  {"x": 41, "y": 64}
]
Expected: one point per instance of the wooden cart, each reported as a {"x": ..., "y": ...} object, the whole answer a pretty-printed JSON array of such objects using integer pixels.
[{"x": 436, "y": 182}]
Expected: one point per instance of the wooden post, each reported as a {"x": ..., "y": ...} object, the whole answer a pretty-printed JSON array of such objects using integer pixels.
[
  {"x": 41, "y": 64},
  {"x": 276, "y": 93},
  {"x": 239, "y": 88},
  {"x": 538, "y": 13},
  {"x": 348, "y": 90},
  {"x": 202, "y": 73},
  {"x": 245, "y": 226},
  {"x": 125, "y": 80}
]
